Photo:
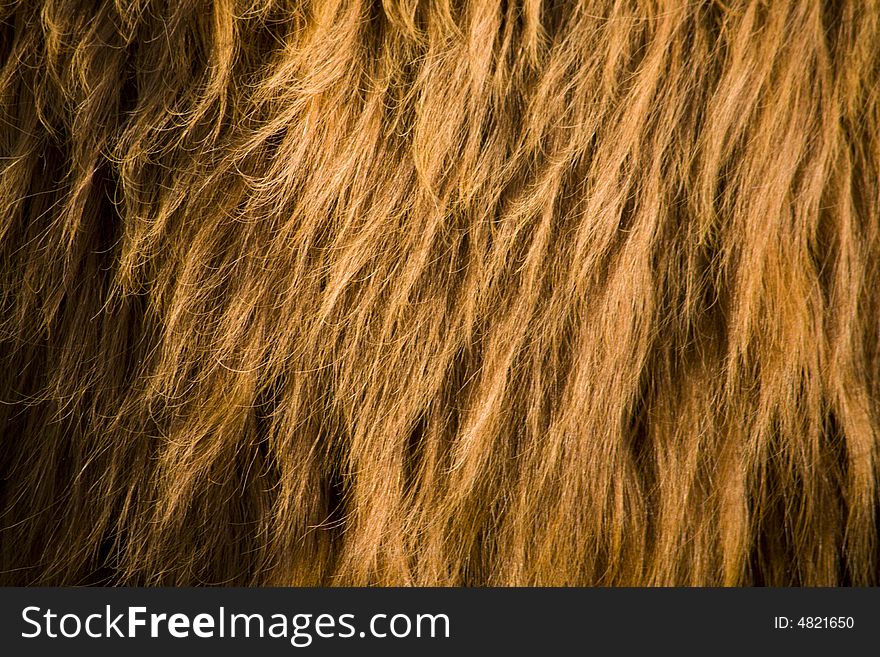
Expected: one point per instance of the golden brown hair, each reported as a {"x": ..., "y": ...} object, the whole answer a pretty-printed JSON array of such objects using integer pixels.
[{"x": 441, "y": 292}]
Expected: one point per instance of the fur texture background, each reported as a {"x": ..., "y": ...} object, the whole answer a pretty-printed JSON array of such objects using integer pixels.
[{"x": 439, "y": 292}]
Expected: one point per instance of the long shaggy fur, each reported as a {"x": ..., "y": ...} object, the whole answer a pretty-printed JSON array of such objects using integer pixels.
[{"x": 438, "y": 292}]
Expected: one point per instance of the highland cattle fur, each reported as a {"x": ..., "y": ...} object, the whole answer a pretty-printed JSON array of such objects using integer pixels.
[{"x": 439, "y": 292}]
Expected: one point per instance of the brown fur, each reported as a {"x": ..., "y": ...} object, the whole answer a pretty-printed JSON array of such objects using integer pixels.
[{"x": 439, "y": 292}]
